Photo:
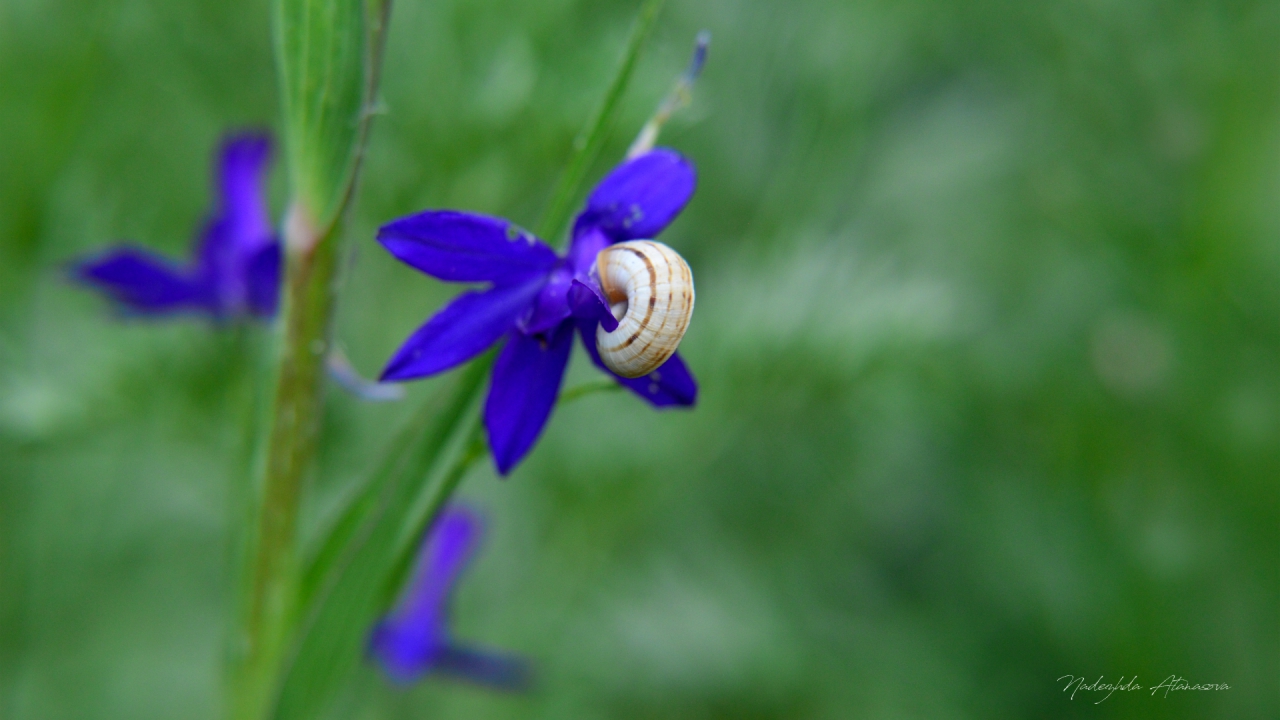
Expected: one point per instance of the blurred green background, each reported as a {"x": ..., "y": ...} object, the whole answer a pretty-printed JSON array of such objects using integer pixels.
[{"x": 987, "y": 333}]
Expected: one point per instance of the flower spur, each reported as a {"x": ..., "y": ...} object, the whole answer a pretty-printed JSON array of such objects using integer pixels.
[
  {"x": 414, "y": 638},
  {"x": 536, "y": 299},
  {"x": 235, "y": 270}
]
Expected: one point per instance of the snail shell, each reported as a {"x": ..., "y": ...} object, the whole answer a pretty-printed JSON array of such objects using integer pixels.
[{"x": 650, "y": 291}]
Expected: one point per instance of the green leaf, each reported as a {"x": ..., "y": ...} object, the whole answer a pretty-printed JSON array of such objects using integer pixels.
[
  {"x": 365, "y": 501},
  {"x": 322, "y": 47},
  {"x": 428, "y": 506},
  {"x": 347, "y": 583}
]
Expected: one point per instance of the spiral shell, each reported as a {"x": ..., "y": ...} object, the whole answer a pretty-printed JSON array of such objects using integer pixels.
[{"x": 650, "y": 291}]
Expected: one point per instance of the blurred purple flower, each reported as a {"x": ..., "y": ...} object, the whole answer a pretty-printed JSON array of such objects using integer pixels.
[
  {"x": 536, "y": 299},
  {"x": 414, "y": 638},
  {"x": 235, "y": 270}
]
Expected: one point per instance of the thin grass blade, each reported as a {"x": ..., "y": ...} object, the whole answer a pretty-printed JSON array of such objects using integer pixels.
[{"x": 586, "y": 146}]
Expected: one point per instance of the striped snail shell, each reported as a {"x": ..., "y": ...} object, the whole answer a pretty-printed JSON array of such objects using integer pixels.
[{"x": 650, "y": 291}]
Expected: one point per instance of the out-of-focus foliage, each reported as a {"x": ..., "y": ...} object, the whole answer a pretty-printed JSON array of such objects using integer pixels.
[{"x": 988, "y": 332}]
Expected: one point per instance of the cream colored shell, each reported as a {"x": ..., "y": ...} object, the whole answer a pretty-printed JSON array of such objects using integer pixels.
[{"x": 650, "y": 289}]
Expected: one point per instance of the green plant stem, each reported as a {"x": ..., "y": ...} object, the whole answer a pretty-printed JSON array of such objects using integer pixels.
[
  {"x": 295, "y": 416},
  {"x": 312, "y": 235}
]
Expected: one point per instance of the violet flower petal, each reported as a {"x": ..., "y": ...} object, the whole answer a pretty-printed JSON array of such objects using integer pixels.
[
  {"x": 404, "y": 654},
  {"x": 588, "y": 302},
  {"x": 241, "y": 228},
  {"x": 411, "y": 639},
  {"x": 466, "y": 247},
  {"x": 447, "y": 547},
  {"x": 552, "y": 304},
  {"x": 262, "y": 280},
  {"x": 142, "y": 282},
  {"x": 236, "y": 265},
  {"x": 585, "y": 247},
  {"x": 671, "y": 384},
  {"x": 463, "y": 329},
  {"x": 242, "y": 185},
  {"x": 522, "y": 393},
  {"x": 639, "y": 198}
]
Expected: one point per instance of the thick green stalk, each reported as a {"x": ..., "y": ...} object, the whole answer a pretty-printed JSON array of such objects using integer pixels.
[
  {"x": 295, "y": 415},
  {"x": 329, "y": 54}
]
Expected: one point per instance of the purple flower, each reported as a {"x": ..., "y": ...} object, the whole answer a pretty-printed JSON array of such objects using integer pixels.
[
  {"x": 235, "y": 270},
  {"x": 536, "y": 299},
  {"x": 414, "y": 638}
]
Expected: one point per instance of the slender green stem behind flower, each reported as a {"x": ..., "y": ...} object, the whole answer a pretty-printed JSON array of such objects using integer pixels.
[{"x": 586, "y": 146}]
